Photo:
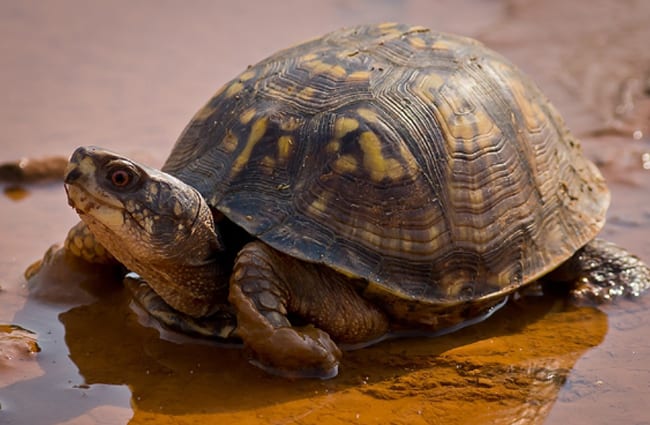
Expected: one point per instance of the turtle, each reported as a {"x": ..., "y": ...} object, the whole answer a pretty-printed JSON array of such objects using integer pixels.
[{"x": 379, "y": 180}]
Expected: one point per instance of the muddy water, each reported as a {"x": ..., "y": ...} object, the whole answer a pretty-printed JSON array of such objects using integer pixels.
[{"x": 128, "y": 76}]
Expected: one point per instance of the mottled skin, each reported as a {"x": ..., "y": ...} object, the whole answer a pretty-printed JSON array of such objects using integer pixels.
[{"x": 378, "y": 178}]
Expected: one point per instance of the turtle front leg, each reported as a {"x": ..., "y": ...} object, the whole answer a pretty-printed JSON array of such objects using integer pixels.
[
  {"x": 602, "y": 271},
  {"x": 219, "y": 326},
  {"x": 267, "y": 287},
  {"x": 82, "y": 243}
]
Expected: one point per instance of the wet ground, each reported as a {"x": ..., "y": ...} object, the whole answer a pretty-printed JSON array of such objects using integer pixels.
[{"x": 128, "y": 76}]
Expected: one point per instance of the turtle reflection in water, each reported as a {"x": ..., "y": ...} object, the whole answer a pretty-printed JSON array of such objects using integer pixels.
[{"x": 378, "y": 178}]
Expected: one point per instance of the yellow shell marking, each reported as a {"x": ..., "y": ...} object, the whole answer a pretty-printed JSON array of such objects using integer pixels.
[
  {"x": 247, "y": 115},
  {"x": 204, "y": 113},
  {"x": 344, "y": 125},
  {"x": 284, "y": 147},
  {"x": 374, "y": 161},
  {"x": 229, "y": 142},
  {"x": 306, "y": 93},
  {"x": 290, "y": 124},
  {"x": 178, "y": 209},
  {"x": 320, "y": 67},
  {"x": 234, "y": 89},
  {"x": 417, "y": 42},
  {"x": 337, "y": 71},
  {"x": 462, "y": 127},
  {"x": 368, "y": 115},
  {"x": 359, "y": 76},
  {"x": 442, "y": 44},
  {"x": 246, "y": 75},
  {"x": 387, "y": 25},
  {"x": 308, "y": 57},
  {"x": 257, "y": 131},
  {"x": 432, "y": 82},
  {"x": 345, "y": 164},
  {"x": 268, "y": 162},
  {"x": 319, "y": 205},
  {"x": 333, "y": 146},
  {"x": 531, "y": 112}
]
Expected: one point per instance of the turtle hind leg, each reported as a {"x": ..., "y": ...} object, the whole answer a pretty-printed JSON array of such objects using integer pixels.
[
  {"x": 600, "y": 272},
  {"x": 268, "y": 289}
]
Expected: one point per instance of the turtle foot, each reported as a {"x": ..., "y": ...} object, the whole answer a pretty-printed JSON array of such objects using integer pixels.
[{"x": 602, "y": 271}]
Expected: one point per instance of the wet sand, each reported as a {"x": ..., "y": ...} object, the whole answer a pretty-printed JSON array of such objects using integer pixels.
[{"x": 129, "y": 76}]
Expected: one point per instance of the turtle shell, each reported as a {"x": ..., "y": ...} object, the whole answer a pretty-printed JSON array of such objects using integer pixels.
[{"x": 422, "y": 162}]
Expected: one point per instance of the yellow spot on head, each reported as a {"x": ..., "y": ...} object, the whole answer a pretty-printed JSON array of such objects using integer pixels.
[
  {"x": 148, "y": 224},
  {"x": 345, "y": 164},
  {"x": 234, "y": 89},
  {"x": 86, "y": 166},
  {"x": 257, "y": 131},
  {"x": 284, "y": 147},
  {"x": 110, "y": 217},
  {"x": 344, "y": 125}
]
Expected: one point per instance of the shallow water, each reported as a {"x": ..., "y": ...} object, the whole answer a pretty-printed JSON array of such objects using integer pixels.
[{"x": 128, "y": 77}]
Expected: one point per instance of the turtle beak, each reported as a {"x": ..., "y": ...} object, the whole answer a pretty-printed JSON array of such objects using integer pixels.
[
  {"x": 80, "y": 163},
  {"x": 80, "y": 168}
]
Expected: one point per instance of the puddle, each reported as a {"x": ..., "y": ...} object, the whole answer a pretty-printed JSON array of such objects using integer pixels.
[{"x": 80, "y": 74}]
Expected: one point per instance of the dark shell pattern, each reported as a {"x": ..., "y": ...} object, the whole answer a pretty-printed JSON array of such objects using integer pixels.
[{"x": 419, "y": 161}]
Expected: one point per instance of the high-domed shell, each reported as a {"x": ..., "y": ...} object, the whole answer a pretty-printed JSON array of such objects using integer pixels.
[{"x": 420, "y": 161}]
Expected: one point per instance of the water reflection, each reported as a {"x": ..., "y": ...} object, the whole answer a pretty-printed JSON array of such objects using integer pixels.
[{"x": 509, "y": 368}]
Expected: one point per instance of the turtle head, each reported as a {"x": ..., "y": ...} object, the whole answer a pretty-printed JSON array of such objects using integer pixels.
[{"x": 154, "y": 224}]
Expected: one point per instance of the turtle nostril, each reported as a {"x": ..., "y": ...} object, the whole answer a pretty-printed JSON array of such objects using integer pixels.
[{"x": 72, "y": 175}]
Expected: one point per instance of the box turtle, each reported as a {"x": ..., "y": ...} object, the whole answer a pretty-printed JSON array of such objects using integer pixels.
[{"x": 379, "y": 180}]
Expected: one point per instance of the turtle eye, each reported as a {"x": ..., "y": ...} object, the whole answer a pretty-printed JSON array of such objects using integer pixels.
[{"x": 120, "y": 178}]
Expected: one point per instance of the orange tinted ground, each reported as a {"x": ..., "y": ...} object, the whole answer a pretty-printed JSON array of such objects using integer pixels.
[{"x": 128, "y": 77}]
